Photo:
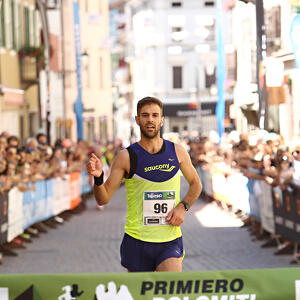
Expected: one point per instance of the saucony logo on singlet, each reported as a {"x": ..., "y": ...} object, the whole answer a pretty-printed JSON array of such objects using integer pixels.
[{"x": 164, "y": 167}]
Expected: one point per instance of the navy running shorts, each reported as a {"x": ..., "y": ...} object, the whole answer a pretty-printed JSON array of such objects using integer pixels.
[{"x": 140, "y": 256}]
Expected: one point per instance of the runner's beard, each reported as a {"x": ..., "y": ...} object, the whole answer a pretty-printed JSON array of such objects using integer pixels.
[{"x": 149, "y": 135}]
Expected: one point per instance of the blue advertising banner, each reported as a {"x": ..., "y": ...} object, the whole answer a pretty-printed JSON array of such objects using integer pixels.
[
  {"x": 78, "y": 106},
  {"x": 28, "y": 206},
  {"x": 35, "y": 206},
  {"x": 85, "y": 186},
  {"x": 49, "y": 204},
  {"x": 253, "y": 201}
]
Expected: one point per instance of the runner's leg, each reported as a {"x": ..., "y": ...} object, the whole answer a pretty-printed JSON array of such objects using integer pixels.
[{"x": 171, "y": 264}]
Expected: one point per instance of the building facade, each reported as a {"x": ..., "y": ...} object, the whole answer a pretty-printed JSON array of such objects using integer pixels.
[
  {"x": 21, "y": 58},
  {"x": 279, "y": 67},
  {"x": 173, "y": 56},
  {"x": 95, "y": 70}
]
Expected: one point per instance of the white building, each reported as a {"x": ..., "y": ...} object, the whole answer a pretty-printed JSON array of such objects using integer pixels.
[{"x": 173, "y": 56}]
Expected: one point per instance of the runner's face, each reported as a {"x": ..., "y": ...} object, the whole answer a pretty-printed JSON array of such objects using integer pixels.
[{"x": 150, "y": 120}]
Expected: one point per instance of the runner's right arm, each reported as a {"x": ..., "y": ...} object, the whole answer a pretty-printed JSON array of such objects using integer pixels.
[{"x": 119, "y": 168}]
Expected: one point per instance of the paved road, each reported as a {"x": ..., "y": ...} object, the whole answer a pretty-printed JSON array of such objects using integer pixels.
[{"x": 89, "y": 243}]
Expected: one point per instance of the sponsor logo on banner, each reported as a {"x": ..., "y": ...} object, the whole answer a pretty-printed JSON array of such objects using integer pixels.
[
  {"x": 103, "y": 293},
  {"x": 70, "y": 292},
  {"x": 198, "y": 287}
]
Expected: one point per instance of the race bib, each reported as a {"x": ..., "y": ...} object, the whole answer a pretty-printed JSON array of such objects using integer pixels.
[{"x": 156, "y": 206}]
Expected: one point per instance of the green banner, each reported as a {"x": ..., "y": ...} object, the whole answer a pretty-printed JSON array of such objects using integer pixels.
[{"x": 267, "y": 284}]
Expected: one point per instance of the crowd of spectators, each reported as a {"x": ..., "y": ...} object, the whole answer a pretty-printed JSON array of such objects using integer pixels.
[
  {"x": 36, "y": 160},
  {"x": 261, "y": 155},
  {"x": 257, "y": 155}
]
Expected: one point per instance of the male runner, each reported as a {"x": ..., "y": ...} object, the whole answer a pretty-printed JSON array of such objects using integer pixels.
[{"x": 151, "y": 167}]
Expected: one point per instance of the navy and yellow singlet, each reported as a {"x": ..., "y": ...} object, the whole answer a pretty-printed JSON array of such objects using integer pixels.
[{"x": 153, "y": 189}]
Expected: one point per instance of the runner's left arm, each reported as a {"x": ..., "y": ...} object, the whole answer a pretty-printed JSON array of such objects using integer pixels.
[{"x": 176, "y": 215}]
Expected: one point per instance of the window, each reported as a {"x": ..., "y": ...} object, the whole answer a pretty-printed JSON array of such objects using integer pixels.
[
  {"x": 2, "y": 24},
  {"x": 209, "y": 3},
  {"x": 176, "y": 3},
  {"x": 177, "y": 77},
  {"x": 210, "y": 76},
  {"x": 31, "y": 28},
  {"x": 176, "y": 29},
  {"x": 103, "y": 128},
  {"x": 177, "y": 34},
  {"x": 18, "y": 29},
  {"x": 35, "y": 29},
  {"x": 8, "y": 23},
  {"x": 13, "y": 22},
  {"x": 175, "y": 129},
  {"x": 101, "y": 84},
  {"x": 26, "y": 27}
]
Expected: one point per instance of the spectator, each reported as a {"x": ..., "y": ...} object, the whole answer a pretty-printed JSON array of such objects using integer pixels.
[{"x": 13, "y": 141}]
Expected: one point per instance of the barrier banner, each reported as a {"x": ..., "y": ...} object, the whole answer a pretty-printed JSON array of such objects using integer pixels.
[
  {"x": 220, "y": 187},
  {"x": 267, "y": 284},
  {"x": 59, "y": 203},
  {"x": 15, "y": 213},
  {"x": 287, "y": 217},
  {"x": 266, "y": 207},
  {"x": 35, "y": 206},
  {"x": 295, "y": 208},
  {"x": 253, "y": 201},
  {"x": 238, "y": 191},
  {"x": 65, "y": 189},
  {"x": 3, "y": 217},
  {"x": 50, "y": 197},
  {"x": 283, "y": 203},
  {"x": 207, "y": 182},
  {"x": 85, "y": 185},
  {"x": 74, "y": 189}
]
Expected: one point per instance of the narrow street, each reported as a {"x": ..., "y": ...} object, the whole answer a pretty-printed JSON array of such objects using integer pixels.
[{"x": 89, "y": 243}]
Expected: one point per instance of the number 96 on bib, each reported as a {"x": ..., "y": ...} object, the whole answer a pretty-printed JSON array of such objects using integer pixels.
[{"x": 156, "y": 206}]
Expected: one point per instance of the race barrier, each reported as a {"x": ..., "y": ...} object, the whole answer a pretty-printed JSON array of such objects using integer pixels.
[
  {"x": 277, "y": 210},
  {"x": 287, "y": 212},
  {"x": 266, "y": 284},
  {"x": 230, "y": 189},
  {"x": 42, "y": 200}
]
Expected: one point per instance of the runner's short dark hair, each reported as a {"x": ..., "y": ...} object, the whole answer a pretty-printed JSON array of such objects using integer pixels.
[{"x": 148, "y": 100}]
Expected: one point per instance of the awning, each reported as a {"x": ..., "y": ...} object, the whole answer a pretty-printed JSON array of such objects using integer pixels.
[{"x": 12, "y": 96}]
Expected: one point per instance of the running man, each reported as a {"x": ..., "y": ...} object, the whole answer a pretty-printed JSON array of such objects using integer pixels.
[{"x": 151, "y": 168}]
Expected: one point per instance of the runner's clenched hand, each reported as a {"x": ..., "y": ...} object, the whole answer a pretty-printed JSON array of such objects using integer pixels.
[
  {"x": 176, "y": 216},
  {"x": 94, "y": 166}
]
